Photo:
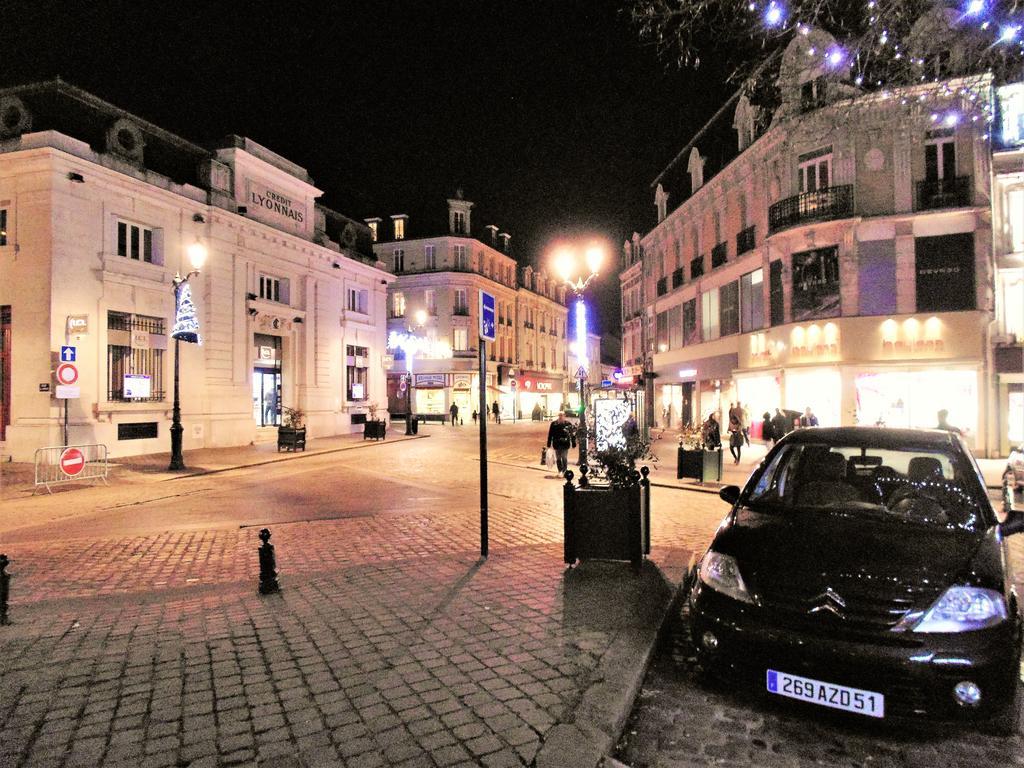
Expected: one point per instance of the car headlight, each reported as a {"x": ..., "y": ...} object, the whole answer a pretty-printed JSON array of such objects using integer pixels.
[
  {"x": 960, "y": 609},
  {"x": 722, "y": 574}
]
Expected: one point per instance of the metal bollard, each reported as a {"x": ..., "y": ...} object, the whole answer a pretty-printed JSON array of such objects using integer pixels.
[
  {"x": 268, "y": 565},
  {"x": 5, "y": 589}
]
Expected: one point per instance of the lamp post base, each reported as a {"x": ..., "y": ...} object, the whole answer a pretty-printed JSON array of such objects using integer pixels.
[{"x": 177, "y": 460}]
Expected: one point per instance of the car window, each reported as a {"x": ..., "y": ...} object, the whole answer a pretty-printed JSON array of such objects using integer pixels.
[{"x": 928, "y": 487}]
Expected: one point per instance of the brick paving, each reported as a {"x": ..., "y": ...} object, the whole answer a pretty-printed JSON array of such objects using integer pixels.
[{"x": 136, "y": 642}]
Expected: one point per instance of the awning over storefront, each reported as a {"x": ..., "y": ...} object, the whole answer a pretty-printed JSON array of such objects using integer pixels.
[
  {"x": 538, "y": 383},
  {"x": 701, "y": 369}
]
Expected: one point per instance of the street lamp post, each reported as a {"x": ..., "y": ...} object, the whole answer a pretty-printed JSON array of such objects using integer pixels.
[
  {"x": 565, "y": 264},
  {"x": 421, "y": 319},
  {"x": 197, "y": 257}
]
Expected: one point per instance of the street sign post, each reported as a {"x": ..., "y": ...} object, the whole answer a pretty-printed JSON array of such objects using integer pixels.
[
  {"x": 488, "y": 322},
  {"x": 487, "y": 333}
]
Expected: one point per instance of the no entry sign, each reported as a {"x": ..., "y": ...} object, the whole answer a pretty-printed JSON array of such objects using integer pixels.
[
  {"x": 67, "y": 374},
  {"x": 72, "y": 462}
]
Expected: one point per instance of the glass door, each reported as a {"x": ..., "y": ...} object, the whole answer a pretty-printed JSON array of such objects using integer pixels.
[{"x": 266, "y": 397}]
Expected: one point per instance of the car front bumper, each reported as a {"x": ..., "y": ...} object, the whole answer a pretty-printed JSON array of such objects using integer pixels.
[{"x": 915, "y": 672}]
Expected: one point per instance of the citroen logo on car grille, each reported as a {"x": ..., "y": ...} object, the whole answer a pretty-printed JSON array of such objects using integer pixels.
[{"x": 829, "y": 601}]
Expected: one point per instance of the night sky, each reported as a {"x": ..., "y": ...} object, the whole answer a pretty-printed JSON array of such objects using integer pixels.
[{"x": 551, "y": 116}]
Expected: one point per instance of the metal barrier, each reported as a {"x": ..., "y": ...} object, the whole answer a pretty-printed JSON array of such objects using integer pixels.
[{"x": 61, "y": 464}]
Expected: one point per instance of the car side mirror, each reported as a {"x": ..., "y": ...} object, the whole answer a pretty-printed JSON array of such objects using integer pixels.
[
  {"x": 730, "y": 494},
  {"x": 1014, "y": 523}
]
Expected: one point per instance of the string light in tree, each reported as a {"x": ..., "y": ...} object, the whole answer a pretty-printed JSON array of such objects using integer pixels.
[{"x": 774, "y": 14}]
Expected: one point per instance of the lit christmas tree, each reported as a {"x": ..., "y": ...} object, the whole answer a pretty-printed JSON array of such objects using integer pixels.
[{"x": 186, "y": 320}]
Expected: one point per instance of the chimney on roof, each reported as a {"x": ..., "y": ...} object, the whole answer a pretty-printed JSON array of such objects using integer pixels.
[
  {"x": 505, "y": 237},
  {"x": 492, "y": 235},
  {"x": 458, "y": 214},
  {"x": 374, "y": 224}
]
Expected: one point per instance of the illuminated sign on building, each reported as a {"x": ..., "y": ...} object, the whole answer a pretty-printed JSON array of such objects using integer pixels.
[
  {"x": 912, "y": 336},
  {"x": 419, "y": 346},
  {"x": 814, "y": 341}
]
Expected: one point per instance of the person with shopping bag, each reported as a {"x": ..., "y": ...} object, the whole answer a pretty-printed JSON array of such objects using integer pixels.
[{"x": 561, "y": 437}]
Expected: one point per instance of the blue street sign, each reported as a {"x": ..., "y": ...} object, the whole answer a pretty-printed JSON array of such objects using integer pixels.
[
  {"x": 67, "y": 354},
  {"x": 487, "y": 316}
]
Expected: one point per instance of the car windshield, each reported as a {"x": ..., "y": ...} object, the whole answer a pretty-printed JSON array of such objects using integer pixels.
[{"x": 925, "y": 487}]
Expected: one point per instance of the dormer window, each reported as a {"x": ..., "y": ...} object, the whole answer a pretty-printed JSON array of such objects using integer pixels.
[
  {"x": 812, "y": 94},
  {"x": 374, "y": 225},
  {"x": 398, "y": 225},
  {"x": 458, "y": 223}
]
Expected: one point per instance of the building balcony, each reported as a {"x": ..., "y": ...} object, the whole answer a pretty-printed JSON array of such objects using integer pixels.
[
  {"x": 746, "y": 240},
  {"x": 933, "y": 194},
  {"x": 822, "y": 205},
  {"x": 528, "y": 325},
  {"x": 461, "y": 311}
]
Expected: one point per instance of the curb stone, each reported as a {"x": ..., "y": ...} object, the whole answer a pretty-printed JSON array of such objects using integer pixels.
[{"x": 605, "y": 705}]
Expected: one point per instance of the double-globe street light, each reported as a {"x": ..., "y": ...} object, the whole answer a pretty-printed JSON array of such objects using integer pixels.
[
  {"x": 186, "y": 327},
  {"x": 566, "y": 265}
]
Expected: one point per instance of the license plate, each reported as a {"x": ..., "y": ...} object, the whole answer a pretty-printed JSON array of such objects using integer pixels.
[{"x": 824, "y": 694}]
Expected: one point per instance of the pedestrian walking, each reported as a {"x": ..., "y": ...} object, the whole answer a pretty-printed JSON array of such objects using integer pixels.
[
  {"x": 454, "y": 411},
  {"x": 779, "y": 425},
  {"x": 496, "y": 411},
  {"x": 766, "y": 427},
  {"x": 475, "y": 414},
  {"x": 561, "y": 437},
  {"x": 735, "y": 439},
  {"x": 745, "y": 413},
  {"x": 808, "y": 419},
  {"x": 711, "y": 433},
  {"x": 630, "y": 429}
]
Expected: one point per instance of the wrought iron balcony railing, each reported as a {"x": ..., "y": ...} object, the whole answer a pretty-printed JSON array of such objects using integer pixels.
[
  {"x": 943, "y": 193},
  {"x": 746, "y": 240},
  {"x": 822, "y": 205},
  {"x": 719, "y": 254}
]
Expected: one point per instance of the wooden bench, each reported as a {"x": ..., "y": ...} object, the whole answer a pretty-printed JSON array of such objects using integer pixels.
[{"x": 439, "y": 417}]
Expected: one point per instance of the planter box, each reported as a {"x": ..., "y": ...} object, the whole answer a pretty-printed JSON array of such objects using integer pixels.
[
  {"x": 606, "y": 523},
  {"x": 374, "y": 430},
  {"x": 702, "y": 465},
  {"x": 291, "y": 438}
]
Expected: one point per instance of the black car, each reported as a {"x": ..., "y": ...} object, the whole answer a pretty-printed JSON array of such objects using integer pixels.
[{"x": 865, "y": 570}]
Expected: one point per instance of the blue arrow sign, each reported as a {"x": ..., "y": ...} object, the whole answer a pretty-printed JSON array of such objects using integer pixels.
[
  {"x": 67, "y": 354},
  {"x": 487, "y": 316}
]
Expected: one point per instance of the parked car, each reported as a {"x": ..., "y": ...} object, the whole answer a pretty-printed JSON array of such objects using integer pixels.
[{"x": 865, "y": 570}]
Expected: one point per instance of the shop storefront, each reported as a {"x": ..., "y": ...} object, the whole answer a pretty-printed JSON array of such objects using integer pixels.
[
  {"x": 913, "y": 398},
  {"x": 537, "y": 390},
  {"x": 819, "y": 389},
  {"x": 687, "y": 391},
  {"x": 896, "y": 371},
  {"x": 759, "y": 393},
  {"x": 430, "y": 393}
]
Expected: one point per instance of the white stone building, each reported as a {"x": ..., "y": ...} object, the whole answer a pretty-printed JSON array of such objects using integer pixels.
[{"x": 97, "y": 209}]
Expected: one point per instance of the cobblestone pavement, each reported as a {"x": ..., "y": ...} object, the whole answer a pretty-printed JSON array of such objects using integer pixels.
[{"x": 138, "y": 639}]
